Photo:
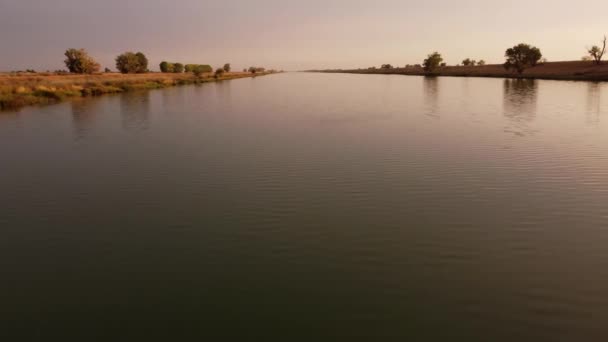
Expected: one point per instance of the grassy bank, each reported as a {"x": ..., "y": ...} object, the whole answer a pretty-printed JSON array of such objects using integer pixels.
[
  {"x": 19, "y": 90},
  {"x": 577, "y": 70}
]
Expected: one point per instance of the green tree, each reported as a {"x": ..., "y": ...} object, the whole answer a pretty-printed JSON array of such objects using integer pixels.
[
  {"x": 78, "y": 61},
  {"x": 178, "y": 68},
  {"x": 202, "y": 68},
  {"x": 199, "y": 69},
  {"x": 432, "y": 61},
  {"x": 227, "y": 67},
  {"x": 219, "y": 72},
  {"x": 466, "y": 62},
  {"x": 142, "y": 62},
  {"x": 521, "y": 57},
  {"x": 386, "y": 66},
  {"x": 132, "y": 63},
  {"x": 481, "y": 62},
  {"x": 597, "y": 53},
  {"x": 165, "y": 66}
]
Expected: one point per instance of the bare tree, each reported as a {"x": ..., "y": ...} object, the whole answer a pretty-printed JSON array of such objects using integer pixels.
[{"x": 596, "y": 53}]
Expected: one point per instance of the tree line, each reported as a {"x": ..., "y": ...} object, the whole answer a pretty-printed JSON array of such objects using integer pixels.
[
  {"x": 518, "y": 58},
  {"x": 78, "y": 61}
]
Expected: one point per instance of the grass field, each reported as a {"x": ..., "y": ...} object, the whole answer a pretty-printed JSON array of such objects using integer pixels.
[
  {"x": 576, "y": 70},
  {"x": 23, "y": 89}
]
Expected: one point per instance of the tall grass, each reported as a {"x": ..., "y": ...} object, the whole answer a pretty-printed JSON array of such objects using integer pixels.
[{"x": 18, "y": 90}]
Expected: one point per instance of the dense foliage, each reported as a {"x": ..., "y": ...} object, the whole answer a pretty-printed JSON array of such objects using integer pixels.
[
  {"x": 78, "y": 61},
  {"x": 521, "y": 57},
  {"x": 198, "y": 68},
  {"x": 469, "y": 62},
  {"x": 171, "y": 67},
  {"x": 132, "y": 63},
  {"x": 432, "y": 62},
  {"x": 255, "y": 70}
]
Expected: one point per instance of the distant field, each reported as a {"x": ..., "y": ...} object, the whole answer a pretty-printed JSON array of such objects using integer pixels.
[
  {"x": 18, "y": 90},
  {"x": 577, "y": 70}
]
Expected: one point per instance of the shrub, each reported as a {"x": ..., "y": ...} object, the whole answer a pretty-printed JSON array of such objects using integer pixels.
[
  {"x": 386, "y": 66},
  {"x": 78, "y": 61},
  {"x": 227, "y": 67},
  {"x": 469, "y": 62},
  {"x": 200, "y": 68},
  {"x": 164, "y": 66},
  {"x": 255, "y": 70},
  {"x": 219, "y": 72},
  {"x": 521, "y": 57},
  {"x": 132, "y": 63},
  {"x": 178, "y": 68},
  {"x": 431, "y": 63},
  {"x": 481, "y": 62}
]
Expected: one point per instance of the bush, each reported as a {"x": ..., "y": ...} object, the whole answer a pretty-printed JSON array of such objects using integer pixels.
[
  {"x": 219, "y": 72},
  {"x": 468, "y": 62},
  {"x": 171, "y": 67},
  {"x": 431, "y": 63},
  {"x": 132, "y": 63},
  {"x": 200, "y": 68},
  {"x": 165, "y": 66},
  {"x": 386, "y": 66},
  {"x": 78, "y": 61},
  {"x": 227, "y": 67},
  {"x": 255, "y": 70},
  {"x": 521, "y": 57}
]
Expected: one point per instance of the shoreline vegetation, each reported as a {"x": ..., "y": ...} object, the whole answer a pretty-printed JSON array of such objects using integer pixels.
[
  {"x": 522, "y": 61},
  {"x": 83, "y": 78},
  {"x": 18, "y": 90},
  {"x": 568, "y": 71}
]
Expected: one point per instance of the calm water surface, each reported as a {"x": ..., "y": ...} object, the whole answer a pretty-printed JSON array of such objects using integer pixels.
[{"x": 309, "y": 207}]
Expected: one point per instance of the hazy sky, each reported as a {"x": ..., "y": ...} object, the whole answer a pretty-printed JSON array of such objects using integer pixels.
[{"x": 294, "y": 35}]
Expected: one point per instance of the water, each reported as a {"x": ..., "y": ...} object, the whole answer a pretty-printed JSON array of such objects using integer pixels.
[{"x": 309, "y": 207}]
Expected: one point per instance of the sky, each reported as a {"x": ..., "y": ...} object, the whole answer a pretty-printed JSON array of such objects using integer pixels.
[{"x": 293, "y": 35}]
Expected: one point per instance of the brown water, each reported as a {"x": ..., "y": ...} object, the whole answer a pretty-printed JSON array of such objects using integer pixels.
[{"x": 314, "y": 207}]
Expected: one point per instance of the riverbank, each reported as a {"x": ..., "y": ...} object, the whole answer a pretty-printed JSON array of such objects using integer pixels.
[
  {"x": 20, "y": 90},
  {"x": 575, "y": 70}
]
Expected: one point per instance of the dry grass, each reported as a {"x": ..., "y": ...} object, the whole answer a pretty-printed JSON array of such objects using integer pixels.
[
  {"x": 18, "y": 90},
  {"x": 577, "y": 70}
]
